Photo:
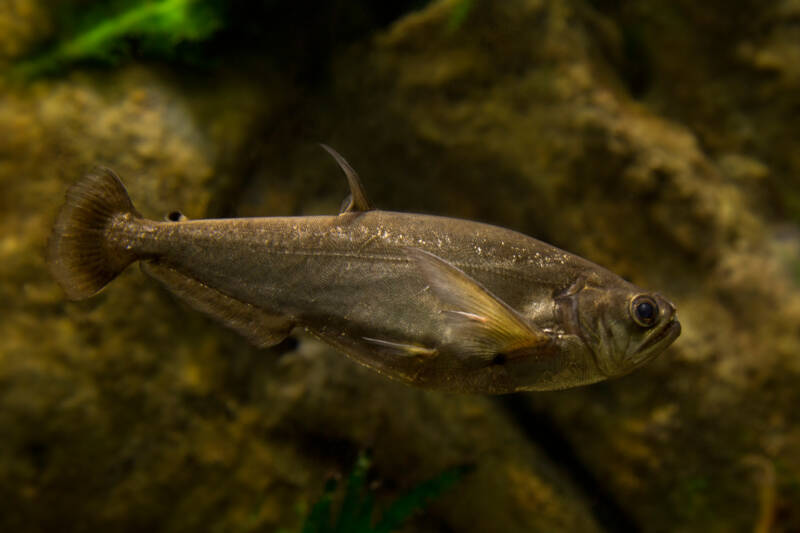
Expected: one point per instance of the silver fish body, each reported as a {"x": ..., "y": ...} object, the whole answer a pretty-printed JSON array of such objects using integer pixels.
[{"x": 434, "y": 301}]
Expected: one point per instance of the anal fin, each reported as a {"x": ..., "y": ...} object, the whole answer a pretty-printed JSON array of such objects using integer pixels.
[
  {"x": 259, "y": 327},
  {"x": 399, "y": 348}
]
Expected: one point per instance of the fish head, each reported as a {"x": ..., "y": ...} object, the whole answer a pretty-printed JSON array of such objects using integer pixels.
[{"x": 621, "y": 325}]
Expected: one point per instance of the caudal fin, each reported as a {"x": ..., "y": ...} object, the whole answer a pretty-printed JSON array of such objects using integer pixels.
[{"x": 78, "y": 253}]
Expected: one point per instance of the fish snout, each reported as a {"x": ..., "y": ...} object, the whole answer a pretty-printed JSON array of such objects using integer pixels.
[{"x": 667, "y": 309}]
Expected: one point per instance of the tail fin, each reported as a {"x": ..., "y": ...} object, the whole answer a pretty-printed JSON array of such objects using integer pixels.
[{"x": 78, "y": 253}]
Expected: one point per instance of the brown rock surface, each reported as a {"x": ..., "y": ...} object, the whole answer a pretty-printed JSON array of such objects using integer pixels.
[
  {"x": 130, "y": 412},
  {"x": 656, "y": 138}
]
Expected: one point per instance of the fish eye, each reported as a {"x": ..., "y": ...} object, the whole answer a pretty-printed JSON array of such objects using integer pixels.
[{"x": 644, "y": 311}]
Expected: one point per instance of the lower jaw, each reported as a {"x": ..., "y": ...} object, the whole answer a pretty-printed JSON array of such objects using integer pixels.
[
  {"x": 673, "y": 329},
  {"x": 657, "y": 345}
]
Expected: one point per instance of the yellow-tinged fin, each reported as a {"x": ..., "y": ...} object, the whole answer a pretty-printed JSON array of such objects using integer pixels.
[
  {"x": 357, "y": 200},
  {"x": 399, "y": 348},
  {"x": 483, "y": 325},
  {"x": 256, "y": 325}
]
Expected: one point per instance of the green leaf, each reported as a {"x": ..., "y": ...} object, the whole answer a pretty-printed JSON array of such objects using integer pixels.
[
  {"x": 353, "y": 509},
  {"x": 319, "y": 518},
  {"x": 357, "y": 508},
  {"x": 158, "y": 25},
  {"x": 418, "y": 498},
  {"x": 459, "y": 14}
]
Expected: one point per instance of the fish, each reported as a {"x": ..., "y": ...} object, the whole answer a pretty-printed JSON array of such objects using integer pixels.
[{"x": 438, "y": 302}]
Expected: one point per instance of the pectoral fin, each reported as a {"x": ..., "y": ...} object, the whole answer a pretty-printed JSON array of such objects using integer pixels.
[
  {"x": 259, "y": 327},
  {"x": 483, "y": 325},
  {"x": 357, "y": 200}
]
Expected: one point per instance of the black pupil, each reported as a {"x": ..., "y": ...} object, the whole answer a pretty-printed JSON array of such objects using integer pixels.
[{"x": 645, "y": 311}]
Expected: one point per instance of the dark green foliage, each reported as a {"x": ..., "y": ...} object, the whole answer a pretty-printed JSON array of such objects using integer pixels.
[
  {"x": 111, "y": 30},
  {"x": 459, "y": 14},
  {"x": 358, "y": 504},
  {"x": 418, "y": 498},
  {"x": 206, "y": 33}
]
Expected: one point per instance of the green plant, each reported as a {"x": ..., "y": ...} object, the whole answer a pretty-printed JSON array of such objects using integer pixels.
[
  {"x": 459, "y": 14},
  {"x": 103, "y": 34},
  {"x": 355, "y": 514}
]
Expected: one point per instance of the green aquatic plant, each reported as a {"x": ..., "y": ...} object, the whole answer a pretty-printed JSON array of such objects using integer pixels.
[
  {"x": 459, "y": 14},
  {"x": 104, "y": 34},
  {"x": 357, "y": 509}
]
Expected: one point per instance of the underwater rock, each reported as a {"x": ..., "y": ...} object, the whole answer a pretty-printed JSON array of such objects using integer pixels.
[
  {"x": 650, "y": 137},
  {"x": 110, "y": 422},
  {"x": 130, "y": 412},
  {"x": 326, "y": 407},
  {"x": 22, "y": 24},
  {"x": 537, "y": 127}
]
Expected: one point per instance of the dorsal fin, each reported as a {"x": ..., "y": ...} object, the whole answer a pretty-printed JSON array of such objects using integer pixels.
[{"x": 358, "y": 198}]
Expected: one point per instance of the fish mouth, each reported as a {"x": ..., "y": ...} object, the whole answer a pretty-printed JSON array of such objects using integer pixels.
[{"x": 662, "y": 339}]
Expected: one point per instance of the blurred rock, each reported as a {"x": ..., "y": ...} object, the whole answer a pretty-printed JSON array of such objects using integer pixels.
[
  {"x": 323, "y": 399},
  {"x": 130, "y": 412},
  {"x": 654, "y": 138},
  {"x": 109, "y": 412},
  {"x": 22, "y": 24},
  {"x": 524, "y": 111}
]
